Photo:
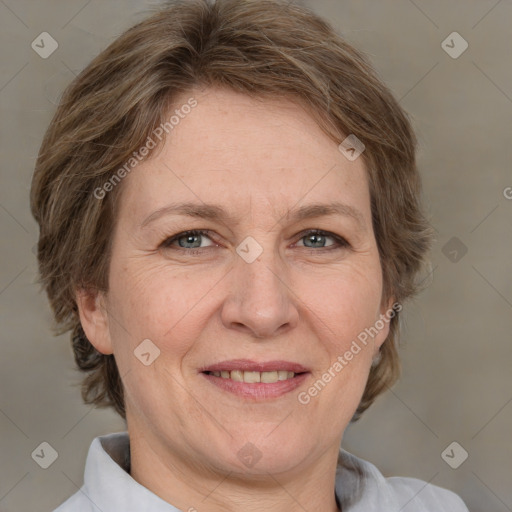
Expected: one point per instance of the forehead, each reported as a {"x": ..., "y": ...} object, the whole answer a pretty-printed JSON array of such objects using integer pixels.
[{"x": 244, "y": 153}]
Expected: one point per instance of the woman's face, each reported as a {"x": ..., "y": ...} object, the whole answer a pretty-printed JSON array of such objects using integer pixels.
[{"x": 257, "y": 292}]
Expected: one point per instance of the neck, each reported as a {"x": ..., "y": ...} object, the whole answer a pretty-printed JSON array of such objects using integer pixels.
[{"x": 194, "y": 487}]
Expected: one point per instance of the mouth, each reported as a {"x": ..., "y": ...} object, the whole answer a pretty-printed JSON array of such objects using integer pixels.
[{"x": 250, "y": 379}]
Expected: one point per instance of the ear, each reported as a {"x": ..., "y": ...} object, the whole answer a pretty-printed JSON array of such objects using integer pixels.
[
  {"x": 388, "y": 310},
  {"x": 94, "y": 318}
]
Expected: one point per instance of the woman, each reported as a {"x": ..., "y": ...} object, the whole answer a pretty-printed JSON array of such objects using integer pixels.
[{"x": 230, "y": 220}]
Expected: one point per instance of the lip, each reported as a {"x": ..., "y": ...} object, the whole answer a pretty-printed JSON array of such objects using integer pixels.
[
  {"x": 247, "y": 365},
  {"x": 257, "y": 390}
]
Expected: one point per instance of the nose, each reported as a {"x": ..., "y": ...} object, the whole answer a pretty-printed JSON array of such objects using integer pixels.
[{"x": 260, "y": 303}]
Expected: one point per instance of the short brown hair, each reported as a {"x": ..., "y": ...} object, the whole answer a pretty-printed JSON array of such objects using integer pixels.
[{"x": 260, "y": 48}]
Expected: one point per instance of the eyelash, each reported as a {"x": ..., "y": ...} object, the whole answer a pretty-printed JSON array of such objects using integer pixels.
[{"x": 340, "y": 242}]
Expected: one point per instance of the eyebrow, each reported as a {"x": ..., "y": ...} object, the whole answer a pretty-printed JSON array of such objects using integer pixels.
[{"x": 217, "y": 213}]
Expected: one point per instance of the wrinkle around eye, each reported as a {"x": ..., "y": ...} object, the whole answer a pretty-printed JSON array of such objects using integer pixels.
[{"x": 163, "y": 237}]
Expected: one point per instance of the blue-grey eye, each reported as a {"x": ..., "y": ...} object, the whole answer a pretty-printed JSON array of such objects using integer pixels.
[
  {"x": 316, "y": 239},
  {"x": 189, "y": 239}
]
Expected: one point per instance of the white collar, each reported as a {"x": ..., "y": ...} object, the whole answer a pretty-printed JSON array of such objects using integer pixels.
[{"x": 360, "y": 487}]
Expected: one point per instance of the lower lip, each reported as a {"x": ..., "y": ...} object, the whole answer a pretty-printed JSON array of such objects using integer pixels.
[{"x": 259, "y": 390}]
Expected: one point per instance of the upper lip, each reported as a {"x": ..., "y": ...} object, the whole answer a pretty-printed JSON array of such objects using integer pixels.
[{"x": 253, "y": 366}]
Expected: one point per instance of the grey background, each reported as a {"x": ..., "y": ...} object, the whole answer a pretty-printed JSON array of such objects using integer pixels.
[{"x": 456, "y": 353}]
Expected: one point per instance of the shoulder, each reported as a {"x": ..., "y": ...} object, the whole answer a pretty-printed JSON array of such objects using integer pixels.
[
  {"x": 362, "y": 487},
  {"x": 76, "y": 503},
  {"x": 415, "y": 495},
  {"x": 104, "y": 474}
]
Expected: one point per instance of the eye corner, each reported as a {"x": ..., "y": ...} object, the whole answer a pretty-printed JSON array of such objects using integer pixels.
[{"x": 340, "y": 242}]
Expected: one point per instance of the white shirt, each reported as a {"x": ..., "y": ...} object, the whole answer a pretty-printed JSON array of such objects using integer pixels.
[{"x": 360, "y": 487}]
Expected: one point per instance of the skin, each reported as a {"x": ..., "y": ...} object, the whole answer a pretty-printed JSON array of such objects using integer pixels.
[{"x": 259, "y": 159}]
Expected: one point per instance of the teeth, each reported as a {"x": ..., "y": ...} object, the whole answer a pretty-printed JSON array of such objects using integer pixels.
[
  {"x": 252, "y": 377},
  {"x": 269, "y": 377},
  {"x": 282, "y": 375},
  {"x": 237, "y": 375}
]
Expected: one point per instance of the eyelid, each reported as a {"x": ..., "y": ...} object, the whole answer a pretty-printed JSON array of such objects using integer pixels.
[
  {"x": 192, "y": 232},
  {"x": 340, "y": 242}
]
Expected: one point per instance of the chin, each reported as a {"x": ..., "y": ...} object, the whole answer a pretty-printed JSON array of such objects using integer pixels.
[{"x": 261, "y": 453}]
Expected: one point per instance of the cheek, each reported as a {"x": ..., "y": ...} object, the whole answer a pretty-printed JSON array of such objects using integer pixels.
[
  {"x": 167, "y": 304},
  {"x": 156, "y": 302},
  {"x": 346, "y": 301},
  {"x": 344, "y": 306}
]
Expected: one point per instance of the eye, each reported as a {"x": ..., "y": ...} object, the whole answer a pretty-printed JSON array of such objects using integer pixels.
[
  {"x": 188, "y": 239},
  {"x": 317, "y": 239},
  {"x": 311, "y": 239}
]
